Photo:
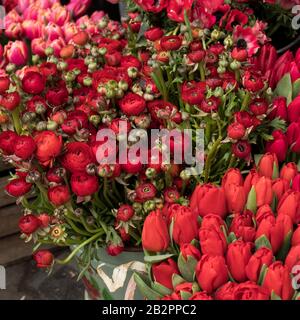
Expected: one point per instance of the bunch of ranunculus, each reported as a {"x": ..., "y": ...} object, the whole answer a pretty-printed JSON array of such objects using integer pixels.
[
  {"x": 77, "y": 186},
  {"x": 237, "y": 241},
  {"x": 47, "y": 25}
]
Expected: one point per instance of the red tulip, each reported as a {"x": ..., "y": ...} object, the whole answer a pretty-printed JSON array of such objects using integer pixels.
[
  {"x": 211, "y": 272},
  {"x": 185, "y": 227},
  {"x": 242, "y": 226},
  {"x": 264, "y": 193},
  {"x": 293, "y": 258},
  {"x": 212, "y": 241},
  {"x": 263, "y": 256},
  {"x": 250, "y": 291},
  {"x": 208, "y": 199},
  {"x": 289, "y": 204},
  {"x": 268, "y": 164},
  {"x": 289, "y": 171},
  {"x": 236, "y": 198},
  {"x": 164, "y": 271},
  {"x": 296, "y": 237},
  {"x": 155, "y": 224},
  {"x": 278, "y": 280},
  {"x": 226, "y": 292},
  {"x": 237, "y": 258}
]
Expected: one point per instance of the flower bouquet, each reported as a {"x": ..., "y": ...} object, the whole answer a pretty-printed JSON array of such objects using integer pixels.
[{"x": 113, "y": 127}]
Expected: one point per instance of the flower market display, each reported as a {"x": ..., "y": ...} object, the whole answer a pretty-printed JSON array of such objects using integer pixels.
[{"x": 100, "y": 120}]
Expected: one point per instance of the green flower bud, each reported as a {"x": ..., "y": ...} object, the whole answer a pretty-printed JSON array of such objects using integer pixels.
[
  {"x": 49, "y": 51},
  {"x": 150, "y": 173},
  {"x": 51, "y": 125},
  {"x": 102, "y": 51},
  {"x": 235, "y": 65},
  {"x": 221, "y": 70},
  {"x": 10, "y": 68},
  {"x": 92, "y": 66},
  {"x": 149, "y": 205},
  {"x": 87, "y": 81},
  {"x": 95, "y": 119},
  {"x": 41, "y": 126},
  {"x": 132, "y": 72},
  {"x": 215, "y": 35},
  {"x": 123, "y": 85}
]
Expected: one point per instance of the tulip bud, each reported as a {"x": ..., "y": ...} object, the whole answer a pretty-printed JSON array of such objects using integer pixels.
[
  {"x": 155, "y": 223},
  {"x": 268, "y": 166}
]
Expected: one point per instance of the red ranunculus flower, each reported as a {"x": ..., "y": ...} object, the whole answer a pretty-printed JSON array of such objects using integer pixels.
[
  {"x": 170, "y": 43},
  {"x": 10, "y": 101},
  {"x": 145, "y": 192},
  {"x": 7, "y": 141},
  {"x": 83, "y": 184},
  {"x": 153, "y": 34},
  {"x": 24, "y": 147},
  {"x": 59, "y": 195},
  {"x": 33, "y": 82},
  {"x": 18, "y": 187},
  {"x": 125, "y": 213},
  {"x": 48, "y": 146},
  {"x": 132, "y": 104},
  {"x": 43, "y": 259},
  {"x": 57, "y": 96},
  {"x": 29, "y": 224},
  {"x": 78, "y": 155}
]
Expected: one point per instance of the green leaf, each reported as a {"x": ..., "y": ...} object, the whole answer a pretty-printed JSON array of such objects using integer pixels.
[
  {"x": 195, "y": 287},
  {"x": 157, "y": 287},
  {"x": 176, "y": 280},
  {"x": 106, "y": 295},
  {"x": 251, "y": 201},
  {"x": 262, "y": 274},
  {"x": 185, "y": 295},
  {"x": 257, "y": 158},
  {"x": 284, "y": 88},
  {"x": 275, "y": 171},
  {"x": 187, "y": 267},
  {"x": 158, "y": 258},
  {"x": 285, "y": 247},
  {"x": 145, "y": 289},
  {"x": 171, "y": 227},
  {"x": 262, "y": 241},
  {"x": 296, "y": 88},
  {"x": 274, "y": 296},
  {"x": 231, "y": 237}
]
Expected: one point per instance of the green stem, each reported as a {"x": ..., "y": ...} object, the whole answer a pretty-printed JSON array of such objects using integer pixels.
[
  {"x": 246, "y": 101},
  {"x": 70, "y": 257},
  {"x": 210, "y": 157},
  {"x": 106, "y": 197},
  {"x": 76, "y": 229},
  {"x": 116, "y": 190},
  {"x": 202, "y": 71},
  {"x": 87, "y": 227},
  {"x": 16, "y": 120}
]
